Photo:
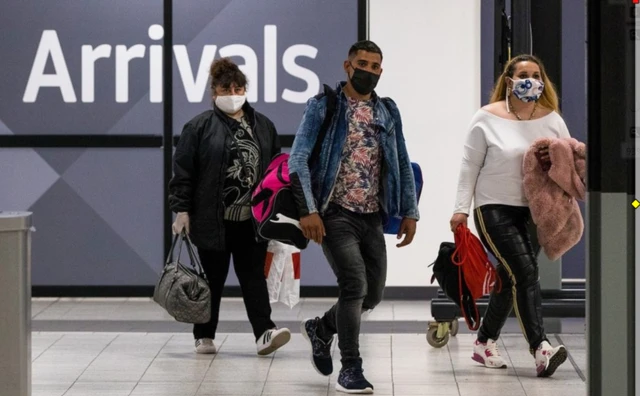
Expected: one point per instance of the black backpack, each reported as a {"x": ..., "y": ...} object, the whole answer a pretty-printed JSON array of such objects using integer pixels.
[{"x": 448, "y": 276}]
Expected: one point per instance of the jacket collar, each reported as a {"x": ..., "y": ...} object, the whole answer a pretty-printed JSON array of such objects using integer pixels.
[
  {"x": 340, "y": 90},
  {"x": 382, "y": 116},
  {"x": 249, "y": 112}
]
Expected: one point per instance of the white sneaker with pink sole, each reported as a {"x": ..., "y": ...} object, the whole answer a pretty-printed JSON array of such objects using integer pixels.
[
  {"x": 548, "y": 358},
  {"x": 488, "y": 355}
]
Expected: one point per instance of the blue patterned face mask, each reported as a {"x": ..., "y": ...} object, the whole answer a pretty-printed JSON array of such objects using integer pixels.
[{"x": 528, "y": 89}]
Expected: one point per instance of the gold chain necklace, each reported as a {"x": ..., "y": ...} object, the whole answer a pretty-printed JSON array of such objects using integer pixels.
[{"x": 535, "y": 106}]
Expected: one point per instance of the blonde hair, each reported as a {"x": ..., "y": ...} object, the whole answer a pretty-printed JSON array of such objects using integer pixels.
[{"x": 549, "y": 98}]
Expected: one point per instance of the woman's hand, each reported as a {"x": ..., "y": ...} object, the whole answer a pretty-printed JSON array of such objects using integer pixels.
[
  {"x": 457, "y": 219},
  {"x": 181, "y": 223},
  {"x": 543, "y": 158}
]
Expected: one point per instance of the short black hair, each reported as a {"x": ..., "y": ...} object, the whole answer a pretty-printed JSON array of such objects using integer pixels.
[{"x": 365, "y": 45}]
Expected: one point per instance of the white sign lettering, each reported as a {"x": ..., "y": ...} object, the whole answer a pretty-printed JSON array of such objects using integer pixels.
[{"x": 194, "y": 83}]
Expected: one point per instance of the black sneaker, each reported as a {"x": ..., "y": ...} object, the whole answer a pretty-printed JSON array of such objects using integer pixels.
[
  {"x": 320, "y": 350},
  {"x": 351, "y": 380}
]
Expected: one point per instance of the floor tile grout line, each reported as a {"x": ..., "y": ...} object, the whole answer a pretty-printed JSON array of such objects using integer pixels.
[
  {"x": 49, "y": 347},
  {"x": 151, "y": 363},
  {"x": 573, "y": 362},
  {"x": 515, "y": 369},
  {"x": 210, "y": 364},
  {"x": 264, "y": 386},
  {"x": 393, "y": 384},
  {"x": 90, "y": 363},
  {"x": 61, "y": 316},
  {"x": 45, "y": 308},
  {"x": 453, "y": 369}
]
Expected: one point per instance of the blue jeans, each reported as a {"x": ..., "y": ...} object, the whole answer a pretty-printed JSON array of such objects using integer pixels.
[{"x": 355, "y": 248}]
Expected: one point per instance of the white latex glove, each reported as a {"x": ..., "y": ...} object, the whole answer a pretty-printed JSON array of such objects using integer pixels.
[{"x": 181, "y": 223}]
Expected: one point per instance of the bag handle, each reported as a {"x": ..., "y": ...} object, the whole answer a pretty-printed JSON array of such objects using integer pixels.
[
  {"x": 465, "y": 243},
  {"x": 195, "y": 262},
  {"x": 173, "y": 247}
]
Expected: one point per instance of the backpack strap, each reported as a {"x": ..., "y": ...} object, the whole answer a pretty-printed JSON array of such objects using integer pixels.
[{"x": 332, "y": 99}]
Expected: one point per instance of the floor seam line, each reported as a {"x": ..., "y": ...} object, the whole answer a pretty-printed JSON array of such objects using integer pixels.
[
  {"x": 90, "y": 363},
  {"x": 152, "y": 360},
  {"x": 573, "y": 362},
  {"x": 515, "y": 370}
]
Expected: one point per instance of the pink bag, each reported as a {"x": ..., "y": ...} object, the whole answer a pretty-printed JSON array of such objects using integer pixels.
[{"x": 274, "y": 208}]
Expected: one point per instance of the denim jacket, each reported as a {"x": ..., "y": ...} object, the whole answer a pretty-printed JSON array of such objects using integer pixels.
[{"x": 313, "y": 188}]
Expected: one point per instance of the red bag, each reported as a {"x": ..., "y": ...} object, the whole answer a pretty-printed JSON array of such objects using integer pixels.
[{"x": 473, "y": 265}]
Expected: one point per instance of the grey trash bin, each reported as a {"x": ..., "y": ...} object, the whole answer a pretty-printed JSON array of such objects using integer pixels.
[{"x": 15, "y": 303}]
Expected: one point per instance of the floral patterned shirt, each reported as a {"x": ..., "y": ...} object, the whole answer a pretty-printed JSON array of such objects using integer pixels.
[{"x": 358, "y": 182}]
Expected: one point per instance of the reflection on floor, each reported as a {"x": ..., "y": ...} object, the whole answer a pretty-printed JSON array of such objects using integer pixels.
[{"x": 129, "y": 347}]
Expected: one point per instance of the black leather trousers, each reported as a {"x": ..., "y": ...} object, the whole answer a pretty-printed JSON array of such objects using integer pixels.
[{"x": 506, "y": 231}]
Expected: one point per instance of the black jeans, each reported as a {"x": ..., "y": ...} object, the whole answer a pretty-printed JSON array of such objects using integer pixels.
[
  {"x": 248, "y": 262},
  {"x": 506, "y": 231},
  {"x": 355, "y": 248}
]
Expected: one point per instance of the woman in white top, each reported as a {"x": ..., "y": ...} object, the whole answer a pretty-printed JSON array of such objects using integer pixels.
[{"x": 523, "y": 108}]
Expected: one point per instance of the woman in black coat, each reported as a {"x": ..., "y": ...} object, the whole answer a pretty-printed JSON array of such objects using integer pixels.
[{"x": 220, "y": 157}]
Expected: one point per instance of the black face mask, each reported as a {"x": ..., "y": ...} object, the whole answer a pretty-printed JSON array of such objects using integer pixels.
[{"x": 364, "y": 82}]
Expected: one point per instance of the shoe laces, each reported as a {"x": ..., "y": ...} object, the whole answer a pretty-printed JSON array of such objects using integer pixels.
[
  {"x": 545, "y": 349},
  {"x": 353, "y": 373},
  {"x": 324, "y": 348},
  {"x": 491, "y": 349}
]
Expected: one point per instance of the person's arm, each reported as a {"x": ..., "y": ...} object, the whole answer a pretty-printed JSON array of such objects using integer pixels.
[
  {"x": 474, "y": 153},
  {"x": 183, "y": 181},
  {"x": 408, "y": 198},
  {"x": 301, "y": 150}
]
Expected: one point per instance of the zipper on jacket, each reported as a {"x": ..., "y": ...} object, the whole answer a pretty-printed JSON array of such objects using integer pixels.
[
  {"x": 326, "y": 204},
  {"x": 333, "y": 187}
]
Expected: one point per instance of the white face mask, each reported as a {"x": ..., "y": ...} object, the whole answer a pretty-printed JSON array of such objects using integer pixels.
[{"x": 230, "y": 104}]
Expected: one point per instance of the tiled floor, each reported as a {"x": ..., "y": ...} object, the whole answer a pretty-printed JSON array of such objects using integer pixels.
[{"x": 120, "y": 361}]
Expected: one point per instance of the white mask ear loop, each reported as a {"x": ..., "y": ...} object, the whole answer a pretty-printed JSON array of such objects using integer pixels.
[{"x": 507, "y": 101}]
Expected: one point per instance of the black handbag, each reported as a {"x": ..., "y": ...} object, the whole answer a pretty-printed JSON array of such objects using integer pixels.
[
  {"x": 183, "y": 291},
  {"x": 448, "y": 276}
]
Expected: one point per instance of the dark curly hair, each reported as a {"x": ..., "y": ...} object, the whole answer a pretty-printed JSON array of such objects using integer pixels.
[{"x": 223, "y": 72}]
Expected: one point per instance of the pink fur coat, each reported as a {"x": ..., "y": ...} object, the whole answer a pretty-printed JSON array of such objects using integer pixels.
[{"x": 552, "y": 194}]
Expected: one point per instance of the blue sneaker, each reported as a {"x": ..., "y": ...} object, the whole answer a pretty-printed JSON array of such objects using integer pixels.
[
  {"x": 351, "y": 380},
  {"x": 320, "y": 350}
]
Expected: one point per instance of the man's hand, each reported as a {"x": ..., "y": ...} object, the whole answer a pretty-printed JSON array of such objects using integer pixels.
[
  {"x": 312, "y": 227},
  {"x": 408, "y": 229}
]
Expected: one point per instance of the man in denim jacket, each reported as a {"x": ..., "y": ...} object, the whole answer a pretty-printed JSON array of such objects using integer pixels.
[{"x": 362, "y": 177}]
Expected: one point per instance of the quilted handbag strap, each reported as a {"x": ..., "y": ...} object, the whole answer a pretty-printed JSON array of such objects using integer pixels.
[{"x": 195, "y": 262}]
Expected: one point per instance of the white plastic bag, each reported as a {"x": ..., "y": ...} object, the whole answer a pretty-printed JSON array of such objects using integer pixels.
[{"x": 282, "y": 270}]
